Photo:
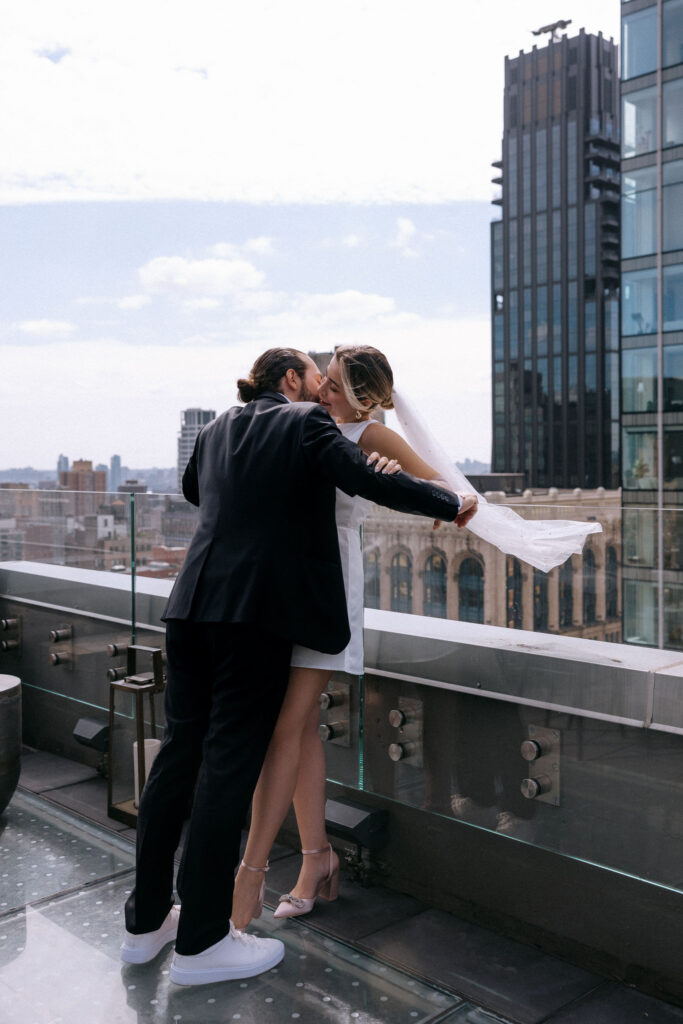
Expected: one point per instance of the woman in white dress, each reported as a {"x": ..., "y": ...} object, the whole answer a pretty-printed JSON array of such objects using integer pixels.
[{"x": 358, "y": 381}]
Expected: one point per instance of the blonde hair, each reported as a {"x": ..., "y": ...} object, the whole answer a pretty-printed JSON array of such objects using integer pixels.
[{"x": 365, "y": 376}]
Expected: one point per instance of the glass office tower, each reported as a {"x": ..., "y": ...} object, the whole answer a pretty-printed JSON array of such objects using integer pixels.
[
  {"x": 652, "y": 320},
  {"x": 555, "y": 267}
]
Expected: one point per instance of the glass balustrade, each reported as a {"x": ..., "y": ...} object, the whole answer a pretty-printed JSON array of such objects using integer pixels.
[{"x": 479, "y": 678}]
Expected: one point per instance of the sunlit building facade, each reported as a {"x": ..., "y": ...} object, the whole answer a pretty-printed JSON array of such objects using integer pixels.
[{"x": 652, "y": 321}]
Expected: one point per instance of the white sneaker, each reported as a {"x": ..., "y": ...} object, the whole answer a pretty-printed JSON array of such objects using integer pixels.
[
  {"x": 238, "y": 955},
  {"x": 140, "y": 949}
]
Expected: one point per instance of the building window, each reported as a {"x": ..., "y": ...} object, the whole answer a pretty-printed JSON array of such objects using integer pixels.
[
  {"x": 639, "y": 213},
  {"x": 639, "y": 456},
  {"x": 672, "y": 113},
  {"x": 542, "y": 321},
  {"x": 640, "y": 537},
  {"x": 673, "y": 458},
  {"x": 402, "y": 583},
  {"x": 640, "y": 612},
  {"x": 639, "y": 43},
  {"x": 498, "y": 255},
  {"x": 673, "y": 378},
  {"x": 572, "y": 168},
  {"x": 572, "y": 249},
  {"x": 611, "y": 584},
  {"x": 513, "y": 573},
  {"x": 588, "y": 588},
  {"x": 541, "y": 249},
  {"x": 470, "y": 591},
  {"x": 639, "y": 302},
  {"x": 541, "y": 164},
  {"x": 639, "y": 380},
  {"x": 512, "y": 253},
  {"x": 639, "y": 122},
  {"x": 540, "y": 601},
  {"x": 672, "y": 200},
  {"x": 672, "y": 298},
  {"x": 510, "y": 184},
  {"x": 435, "y": 587},
  {"x": 589, "y": 239},
  {"x": 673, "y": 616},
  {"x": 672, "y": 32},
  {"x": 566, "y": 595},
  {"x": 673, "y": 539},
  {"x": 371, "y": 566}
]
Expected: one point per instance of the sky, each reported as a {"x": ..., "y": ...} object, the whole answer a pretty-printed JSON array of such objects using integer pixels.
[{"x": 182, "y": 187}]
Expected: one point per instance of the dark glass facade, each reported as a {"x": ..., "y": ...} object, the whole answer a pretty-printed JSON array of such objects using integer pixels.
[{"x": 555, "y": 267}]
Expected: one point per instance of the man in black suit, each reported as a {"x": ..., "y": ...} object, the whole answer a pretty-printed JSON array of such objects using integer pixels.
[{"x": 262, "y": 572}]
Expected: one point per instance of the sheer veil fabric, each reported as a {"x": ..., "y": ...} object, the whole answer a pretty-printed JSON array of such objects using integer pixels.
[{"x": 543, "y": 543}]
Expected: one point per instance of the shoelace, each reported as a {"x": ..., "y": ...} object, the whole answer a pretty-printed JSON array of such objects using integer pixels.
[{"x": 245, "y": 937}]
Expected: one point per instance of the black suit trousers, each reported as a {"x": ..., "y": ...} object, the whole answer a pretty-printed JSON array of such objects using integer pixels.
[{"x": 226, "y": 683}]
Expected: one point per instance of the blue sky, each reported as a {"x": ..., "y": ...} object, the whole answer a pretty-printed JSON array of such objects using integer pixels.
[{"x": 182, "y": 192}]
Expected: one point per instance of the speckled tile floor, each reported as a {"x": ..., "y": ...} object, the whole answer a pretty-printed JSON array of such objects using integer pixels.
[
  {"x": 65, "y": 884},
  {"x": 373, "y": 956}
]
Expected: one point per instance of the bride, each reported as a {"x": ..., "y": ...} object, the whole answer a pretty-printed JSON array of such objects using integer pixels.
[{"x": 358, "y": 381}]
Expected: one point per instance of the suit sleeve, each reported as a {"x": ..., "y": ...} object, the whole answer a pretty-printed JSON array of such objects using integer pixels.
[
  {"x": 333, "y": 455},
  {"x": 190, "y": 477}
]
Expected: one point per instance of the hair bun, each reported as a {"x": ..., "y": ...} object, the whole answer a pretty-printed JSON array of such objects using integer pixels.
[
  {"x": 388, "y": 403},
  {"x": 246, "y": 390}
]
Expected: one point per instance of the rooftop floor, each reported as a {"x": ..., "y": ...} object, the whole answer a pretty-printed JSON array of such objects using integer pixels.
[{"x": 372, "y": 957}]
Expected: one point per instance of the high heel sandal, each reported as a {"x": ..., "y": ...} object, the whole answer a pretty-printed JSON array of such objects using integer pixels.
[
  {"x": 327, "y": 889},
  {"x": 262, "y": 890}
]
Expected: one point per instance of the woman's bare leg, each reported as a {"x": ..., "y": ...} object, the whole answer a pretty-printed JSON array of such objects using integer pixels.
[
  {"x": 309, "y": 805},
  {"x": 276, "y": 785}
]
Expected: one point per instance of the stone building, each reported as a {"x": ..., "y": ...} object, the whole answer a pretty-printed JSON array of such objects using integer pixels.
[{"x": 451, "y": 573}]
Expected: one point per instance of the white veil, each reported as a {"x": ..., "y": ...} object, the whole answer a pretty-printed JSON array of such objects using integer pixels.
[{"x": 543, "y": 543}]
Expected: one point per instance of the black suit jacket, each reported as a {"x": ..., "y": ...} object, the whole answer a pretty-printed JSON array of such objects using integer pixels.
[{"x": 265, "y": 550}]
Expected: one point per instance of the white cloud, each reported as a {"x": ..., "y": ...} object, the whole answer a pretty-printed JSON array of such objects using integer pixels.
[
  {"x": 210, "y": 277},
  {"x": 220, "y": 105},
  {"x": 46, "y": 328},
  {"x": 351, "y": 241},
  {"x": 262, "y": 245},
  {"x": 205, "y": 303},
  {"x": 134, "y": 301},
  {"x": 337, "y": 309},
  {"x": 406, "y": 233}
]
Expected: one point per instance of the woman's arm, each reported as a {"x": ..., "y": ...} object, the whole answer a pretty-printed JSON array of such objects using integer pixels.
[{"x": 378, "y": 438}]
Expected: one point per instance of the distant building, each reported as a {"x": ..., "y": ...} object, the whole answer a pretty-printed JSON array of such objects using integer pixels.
[
  {"x": 114, "y": 472},
  {"x": 90, "y": 484},
  {"x": 191, "y": 422},
  {"x": 62, "y": 465},
  {"x": 555, "y": 267}
]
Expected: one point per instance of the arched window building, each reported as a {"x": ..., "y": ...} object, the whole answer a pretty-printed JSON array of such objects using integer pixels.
[
  {"x": 371, "y": 566},
  {"x": 401, "y": 582},
  {"x": 566, "y": 596},
  {"x": 513, "y": 572},
  {"x": 588, "y": 587},
  {"x": 540, "y": 601},
  {"x": 435, "y": 586},
  {"x": 471, "y": 591}
]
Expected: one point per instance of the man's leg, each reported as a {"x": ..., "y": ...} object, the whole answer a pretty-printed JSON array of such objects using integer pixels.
[
  {"x": 250, "y": 670},
  {"x": 169, "y": 787}
]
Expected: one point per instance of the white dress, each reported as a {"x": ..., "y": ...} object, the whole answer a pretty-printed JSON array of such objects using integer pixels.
[{"x": 349, "y": 513}]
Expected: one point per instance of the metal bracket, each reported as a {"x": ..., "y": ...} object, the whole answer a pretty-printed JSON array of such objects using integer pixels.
[{"x": 542, "y": 751}]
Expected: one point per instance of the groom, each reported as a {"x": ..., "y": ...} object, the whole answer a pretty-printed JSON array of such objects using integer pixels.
[{"x": 262, "y": 572}]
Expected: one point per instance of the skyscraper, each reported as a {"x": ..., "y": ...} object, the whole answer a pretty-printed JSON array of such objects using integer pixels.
[
  {"x": 555, "y": 267},
  {"x": 62, "y": 465},
  {"x": 652, "y": 321},
  {"x": 114, "y": 472},
  {"x": 191, "y": 422}
]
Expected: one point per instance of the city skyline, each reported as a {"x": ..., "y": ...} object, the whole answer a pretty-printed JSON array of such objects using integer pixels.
[{"x": 367, "y": 220}]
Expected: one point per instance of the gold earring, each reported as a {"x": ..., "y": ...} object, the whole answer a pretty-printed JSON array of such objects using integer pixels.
[{"x": 359, "y": 414}]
